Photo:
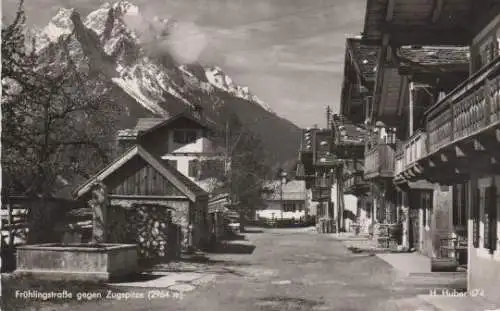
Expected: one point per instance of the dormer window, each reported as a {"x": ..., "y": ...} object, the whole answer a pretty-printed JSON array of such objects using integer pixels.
[{"x": 184, "y": 136}]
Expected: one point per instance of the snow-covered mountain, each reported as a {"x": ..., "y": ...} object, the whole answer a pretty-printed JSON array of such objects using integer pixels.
[
  {"x": 138, "y": 56},
  {"x": 218, "y": 78},
  {"x": 143, "y": 80}
]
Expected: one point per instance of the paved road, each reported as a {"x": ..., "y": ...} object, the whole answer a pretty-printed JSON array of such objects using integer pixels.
[{"x": 292, "y": 270}]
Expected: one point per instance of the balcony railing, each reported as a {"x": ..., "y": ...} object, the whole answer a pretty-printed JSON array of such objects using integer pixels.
[
  {"x": 354, "y": 181},
  {"x": 471, "y": 108},
  {"x": 399, "y": 162},
  {"x": 415, "y": 148},
  {"x": 379, "y": 161}
]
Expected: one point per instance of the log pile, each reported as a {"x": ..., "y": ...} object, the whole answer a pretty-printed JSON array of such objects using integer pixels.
[{"x": 148, "y": 226}]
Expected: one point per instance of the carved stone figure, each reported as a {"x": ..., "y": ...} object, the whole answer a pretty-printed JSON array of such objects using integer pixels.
[{"x": 99, "y": 204}]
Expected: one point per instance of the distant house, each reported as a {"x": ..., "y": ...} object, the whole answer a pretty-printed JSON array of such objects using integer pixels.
[
  {"x": 284, "y": 201},
  {"x": 184, "y": 141}
]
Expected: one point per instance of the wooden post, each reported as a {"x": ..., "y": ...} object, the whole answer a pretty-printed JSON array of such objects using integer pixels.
[
  {"x": 405, "y": 219},
  {"x": 410, "y": 110}
]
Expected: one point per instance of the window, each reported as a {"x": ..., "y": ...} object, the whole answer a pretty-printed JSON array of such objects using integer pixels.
[
  {"x": 172, "y": 163},
  {"x": 476, "y": 199},
  {"x": 193, "y": 168},
  {"x": 426, "y": 207},
  {"x": 289, "y": 207},
  {"x": 460, "y": 205},
  {"x": 184, "y": 136}
]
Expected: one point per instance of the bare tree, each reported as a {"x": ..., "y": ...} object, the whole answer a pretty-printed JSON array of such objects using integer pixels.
[
  {"x": 248, "y": 163},
  {"x": 58, "y": 118}
]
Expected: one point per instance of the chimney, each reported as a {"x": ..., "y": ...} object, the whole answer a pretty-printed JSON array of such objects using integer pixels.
[{"x": 125, "y": 139}]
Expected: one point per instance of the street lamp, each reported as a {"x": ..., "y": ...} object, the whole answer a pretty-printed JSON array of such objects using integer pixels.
[{"x": 283, "y": 175}]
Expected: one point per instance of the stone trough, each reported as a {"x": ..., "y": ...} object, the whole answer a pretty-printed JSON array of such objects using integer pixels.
[{"x": 85, "y": 262}]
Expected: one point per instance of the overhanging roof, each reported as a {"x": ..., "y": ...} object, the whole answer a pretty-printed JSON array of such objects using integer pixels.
[
  {"x": 426, "y": 22},
  {"x": 154, "y": 123},
  {"x": 190, "y": 189},
  {"x": 363, "y": 56}
]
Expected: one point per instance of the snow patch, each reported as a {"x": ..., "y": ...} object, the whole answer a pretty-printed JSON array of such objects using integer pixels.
[{"x": 132, "y": 88}]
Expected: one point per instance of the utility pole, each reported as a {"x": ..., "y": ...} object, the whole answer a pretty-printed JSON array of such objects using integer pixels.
[{"x": 281, "y": 198}]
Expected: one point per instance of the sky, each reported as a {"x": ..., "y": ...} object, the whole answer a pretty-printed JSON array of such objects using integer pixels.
[{"x": 290, "y": 53}]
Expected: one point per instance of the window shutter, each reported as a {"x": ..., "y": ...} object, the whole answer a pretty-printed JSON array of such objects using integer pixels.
[
  {"x": 456, "y": 203},
  {"x": 492, "y": 212},
  {"x": 475, "y": 217},
  {"x": 463, "y": 205},
  {"x": 192, "y": 169},
  {"x": 486, "y": 200}
]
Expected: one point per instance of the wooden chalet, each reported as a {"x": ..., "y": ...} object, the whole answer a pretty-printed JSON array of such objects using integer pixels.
[
  {"x": 428, "y": 73},
  {"x": 357, "y": 90},
  {"x": 408, "y": 80},
  {"x": 460, "y": 141},
  {"x": 348, "y": 148},
  {"x": 317, "y": 166}
]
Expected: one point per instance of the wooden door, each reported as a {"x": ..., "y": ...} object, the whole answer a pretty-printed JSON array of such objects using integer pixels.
[{"x": 414, "y": 219}]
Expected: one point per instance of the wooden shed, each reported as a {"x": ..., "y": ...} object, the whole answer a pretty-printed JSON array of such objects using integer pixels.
[{"x": 151, "y": 204}]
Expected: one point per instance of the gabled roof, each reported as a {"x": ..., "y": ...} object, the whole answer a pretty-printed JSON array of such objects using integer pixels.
[
  {"x": 184, "y": 184},
  {"x": 435, "y": 56},
  {"x": 154, "y": 123},
  {"x": 364, "y": 56},
  {"x": 144, "y": 124}
]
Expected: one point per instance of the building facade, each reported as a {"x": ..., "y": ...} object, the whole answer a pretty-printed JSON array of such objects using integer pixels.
[
  {"x": 458, "y": 146},
  {"x": 285, "y": 201}
]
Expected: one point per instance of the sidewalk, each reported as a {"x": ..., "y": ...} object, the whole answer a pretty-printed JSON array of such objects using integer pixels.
[
  {"x": 360, "y": 243},
  {"x": 444, "y": 302},
  {"x": 415, "y": 264},
  {"x": 408, "y": 263},
  {"x": 180, "y": 282}
]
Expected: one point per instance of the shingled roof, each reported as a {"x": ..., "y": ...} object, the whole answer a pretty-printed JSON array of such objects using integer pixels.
[
  {"x": 365, "y": 57},
  {"x": 435, "y": 56}
]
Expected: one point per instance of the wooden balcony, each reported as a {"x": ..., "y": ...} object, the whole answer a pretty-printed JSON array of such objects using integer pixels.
[
  {"x": 323, "y": 182},
  {"x": 399, "y": 162},
  {"x": 354, "y": 183},
  {"x": 463, "y": 134},
  {"x": 408, "y": 172},
  {"x": 379, "y": 162}
]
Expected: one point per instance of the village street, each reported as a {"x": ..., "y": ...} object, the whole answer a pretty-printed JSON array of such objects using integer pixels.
[{"x": 289, "y": 269}]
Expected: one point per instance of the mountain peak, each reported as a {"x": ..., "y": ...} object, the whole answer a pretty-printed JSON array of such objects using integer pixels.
[
  {"x": 125, "y": 7},
  {"x": 60, "y": 25},
  {"x": 220, "y": 79}
]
